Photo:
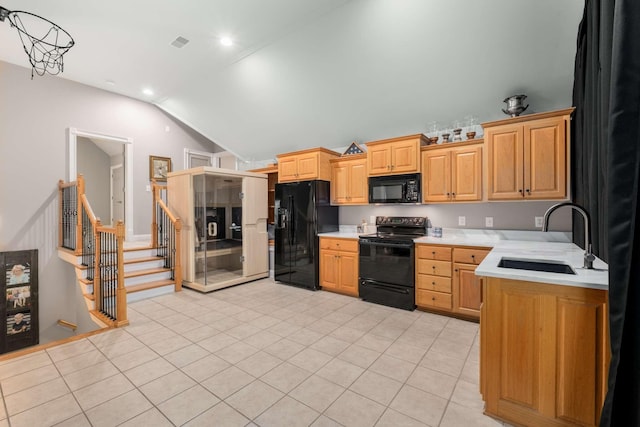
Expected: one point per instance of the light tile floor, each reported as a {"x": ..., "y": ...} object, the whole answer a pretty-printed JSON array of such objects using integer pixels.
[{"x": 258, "y": 354}]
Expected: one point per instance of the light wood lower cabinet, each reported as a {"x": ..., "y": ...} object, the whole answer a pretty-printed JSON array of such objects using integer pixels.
[
  {"x": 447, "y": 286},
  {"x": 544, "y": 353},
  {"x": 467, "y": 287},
  {"x": 433, "y": 277},
  {"x": 339, "y": 265}
]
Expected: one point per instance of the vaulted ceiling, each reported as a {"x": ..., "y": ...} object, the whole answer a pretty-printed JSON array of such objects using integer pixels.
[{"x": 307, "y": 73}]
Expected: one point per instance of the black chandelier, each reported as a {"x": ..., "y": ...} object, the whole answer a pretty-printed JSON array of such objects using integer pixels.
[{"x": 43, "y": 41}]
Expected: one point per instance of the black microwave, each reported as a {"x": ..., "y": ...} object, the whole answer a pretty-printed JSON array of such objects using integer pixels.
[{"x": 395, "y": 188}]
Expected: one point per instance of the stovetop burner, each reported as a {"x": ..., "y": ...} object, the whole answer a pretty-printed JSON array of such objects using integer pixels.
[
  {"x": 398, "y": 228},
  {"x": 390, "y": 236}
]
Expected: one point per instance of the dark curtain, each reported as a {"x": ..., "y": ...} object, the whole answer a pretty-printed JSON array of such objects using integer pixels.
[
  {"x": 590, "y": 122},
  {"x": 606, "y": 181},
  {"x": 622, "y": 406}
]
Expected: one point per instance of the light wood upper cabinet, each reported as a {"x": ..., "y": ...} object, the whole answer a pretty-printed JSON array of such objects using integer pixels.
[
  {"x": 528, "y": 156},
  {"x": 452, "y": 174},
  {"x": 349, "y": 180},
  {"x": 544, "y": 353},
  {"x": 305, "y": 165},
  {"x": 395, "y": 156}
]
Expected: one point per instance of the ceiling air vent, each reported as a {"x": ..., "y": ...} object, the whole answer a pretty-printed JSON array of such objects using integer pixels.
[{"x": 179, "y": 42}]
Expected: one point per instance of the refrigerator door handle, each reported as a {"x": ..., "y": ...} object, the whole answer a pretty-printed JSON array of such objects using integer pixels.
[{"x": 292, "y": 221}]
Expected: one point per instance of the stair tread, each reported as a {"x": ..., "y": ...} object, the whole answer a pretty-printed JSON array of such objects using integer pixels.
[
  {"x": 137, "y": 273},
  {"x": 149, "y": 285},
  {"x": 138, "y": 248},
  {"x": 142, "y": 259}
]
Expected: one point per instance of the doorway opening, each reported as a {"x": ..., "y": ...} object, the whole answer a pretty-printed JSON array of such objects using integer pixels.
[{"x": 109, "y": 161}]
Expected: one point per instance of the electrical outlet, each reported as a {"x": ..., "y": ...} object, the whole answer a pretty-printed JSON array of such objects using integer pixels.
[
  {"x": 372, "y": 220},
  {"x": 488, "y": 221},
  {"x": 462, "y": 220},
  {"x": 538, "y": 221}
]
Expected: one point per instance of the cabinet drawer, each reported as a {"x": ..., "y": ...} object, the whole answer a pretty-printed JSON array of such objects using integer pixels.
[
  {"x": 433, "y": 299},
  {"x": 348, "y": 245},
  {"x": 442, "y": 253},
  {"x": 469, "y": 256},
  {"x": 433, "y": 283},
  {"x": 434, "y": 267}
]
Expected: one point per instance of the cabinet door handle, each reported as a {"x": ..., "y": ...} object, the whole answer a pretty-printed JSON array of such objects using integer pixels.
[
  {"x": 528, "y": 191},
  {"x": 433, "y": 298},
  {"x": 433, "y": 253},
  {"x": 456, "y": 270},
  {"x": 433, "y": 283},
  {"x": 520, "y": 190},
  {"x": 453, "y": 194}
]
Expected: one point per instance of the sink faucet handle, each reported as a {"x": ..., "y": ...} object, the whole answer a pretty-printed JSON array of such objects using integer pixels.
[{"x": 589, "y": 257}]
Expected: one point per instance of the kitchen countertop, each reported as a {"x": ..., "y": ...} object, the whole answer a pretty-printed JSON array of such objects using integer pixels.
[
  {"x": 464, "y": 237},
  {"x": 529, "y": 245},
  {"x": 567, "y": 253}
]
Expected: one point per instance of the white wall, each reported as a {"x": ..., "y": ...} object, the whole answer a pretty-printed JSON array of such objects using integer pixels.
[
  {"x": 94, "y": 164},
  {"x": 34, "y": 117}
]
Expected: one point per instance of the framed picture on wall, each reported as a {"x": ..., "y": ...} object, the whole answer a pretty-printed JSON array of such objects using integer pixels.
[
  {"x": 19, "y": 282},
  {"x": 159, "y": 167}
]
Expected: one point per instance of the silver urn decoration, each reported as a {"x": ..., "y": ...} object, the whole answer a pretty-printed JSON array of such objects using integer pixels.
[{"x": 514, "y": 105}]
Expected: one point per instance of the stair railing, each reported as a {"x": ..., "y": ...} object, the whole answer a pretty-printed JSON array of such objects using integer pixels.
[
  {"x": 68, "y": 214},
  {"x": 82, "y": 232},
  {"x": 165, "y": 234},
  {"x": 108, "y": 288}
]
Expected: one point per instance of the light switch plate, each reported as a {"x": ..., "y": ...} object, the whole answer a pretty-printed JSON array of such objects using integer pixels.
[
  {"x": 372, "y": 220},
  {"x": 538, "y": 221},
  {"x": 462, "y": 220},
  {"x": 148, "y": 188},
  {"x": 488, "y": 221}
]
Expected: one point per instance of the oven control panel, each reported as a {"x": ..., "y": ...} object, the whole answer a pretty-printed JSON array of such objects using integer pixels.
[{"x": 405, "y": 221}]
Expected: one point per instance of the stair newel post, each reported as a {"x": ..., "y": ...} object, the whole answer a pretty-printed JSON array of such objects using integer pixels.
[
  {"x": 60, "y": 214},
  {"x": 97, "y": 294},
  {"x": 80, "y": 192},
  {"x": 154, "y": 220},
  {"x": 121, "y": 294},
  {"x": 178, "y": 256}
]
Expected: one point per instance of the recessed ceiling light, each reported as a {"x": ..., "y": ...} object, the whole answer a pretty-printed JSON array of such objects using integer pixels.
[
  {"x": 147, "y": 91},
  {"x": 226, "y": 41},
  {"x": 110, "y": 82}
]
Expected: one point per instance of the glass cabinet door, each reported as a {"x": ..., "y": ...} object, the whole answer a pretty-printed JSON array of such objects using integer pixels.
[{"x": 218, "y": 228}]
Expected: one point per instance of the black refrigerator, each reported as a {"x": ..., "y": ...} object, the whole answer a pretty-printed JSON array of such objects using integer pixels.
[{"x": 302, "y": 210}]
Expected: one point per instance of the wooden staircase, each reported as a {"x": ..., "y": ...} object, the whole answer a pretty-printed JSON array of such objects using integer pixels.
[
  {"x": 144, "y": 274},
  {"x": 110, "y": 272}
]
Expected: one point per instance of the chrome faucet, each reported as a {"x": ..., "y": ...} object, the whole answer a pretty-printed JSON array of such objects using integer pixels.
[{"x": 588, "y": 255}]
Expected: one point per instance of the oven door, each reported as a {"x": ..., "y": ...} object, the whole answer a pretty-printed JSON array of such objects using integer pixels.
[{"x": 387, "y": 262}]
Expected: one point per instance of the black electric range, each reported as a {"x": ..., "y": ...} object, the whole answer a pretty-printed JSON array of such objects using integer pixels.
[{"x": 387, "y": 261}]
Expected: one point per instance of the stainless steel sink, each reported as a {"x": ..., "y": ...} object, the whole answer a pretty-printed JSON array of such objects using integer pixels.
[{"x": 536, "y": 265}]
